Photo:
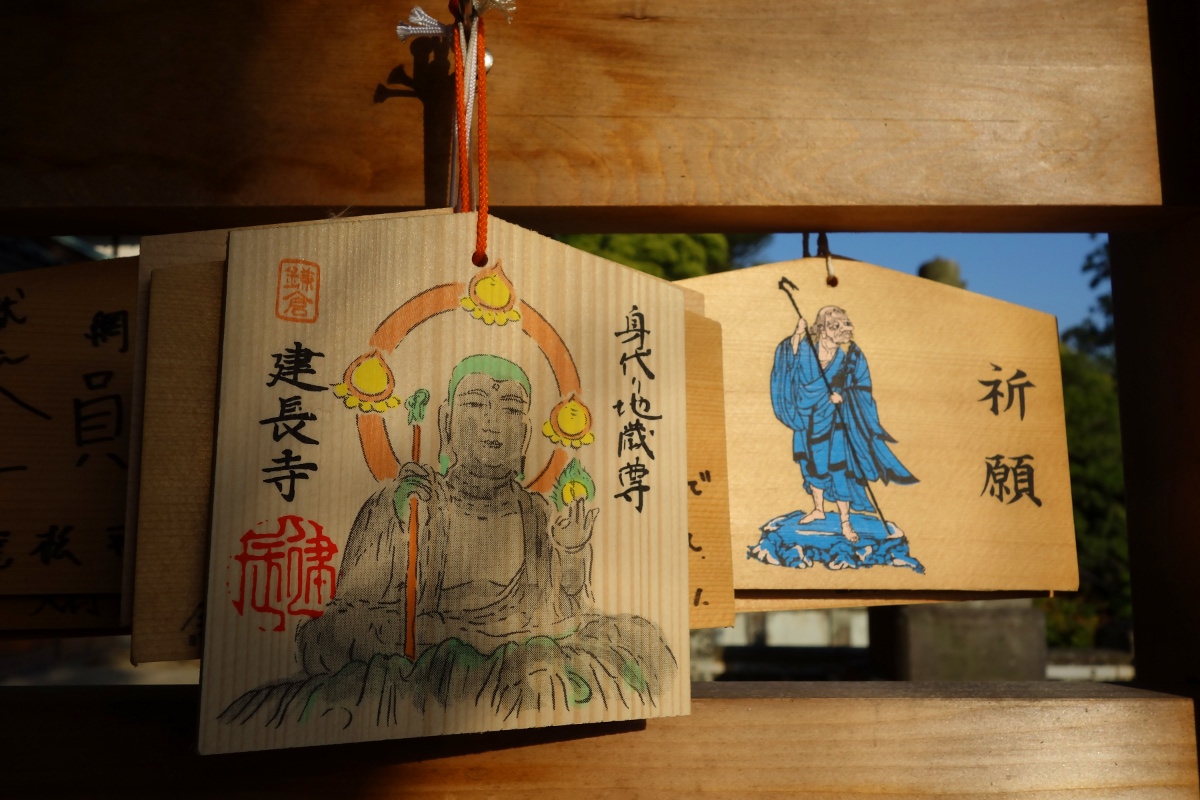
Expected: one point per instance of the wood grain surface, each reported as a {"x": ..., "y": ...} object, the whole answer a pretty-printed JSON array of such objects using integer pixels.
[
  {"x": 175, "y": 494},
  {"x": 636, "y": 114},
  {"x": 784, "y": 600},
  {"x": 710, "y": 568},
  {"x": 65, "y": 615},
  {"x": 819, "y": 741},
  {"x": 156, "y": 252}
]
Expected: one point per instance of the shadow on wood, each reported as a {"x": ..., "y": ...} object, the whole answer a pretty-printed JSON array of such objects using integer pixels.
[{"x": 743, "y": 740}]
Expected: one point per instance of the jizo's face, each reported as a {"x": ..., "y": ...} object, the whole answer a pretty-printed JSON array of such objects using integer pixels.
[
  {"x": 489, "y": 421},
  {"x": 838, "y": 329}
]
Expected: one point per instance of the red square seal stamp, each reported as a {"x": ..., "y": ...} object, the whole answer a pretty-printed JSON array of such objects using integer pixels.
[{"x": 298, "y": 290}]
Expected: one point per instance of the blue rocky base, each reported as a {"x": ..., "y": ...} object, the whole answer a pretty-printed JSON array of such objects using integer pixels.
[{"x": 785, "y": 542}]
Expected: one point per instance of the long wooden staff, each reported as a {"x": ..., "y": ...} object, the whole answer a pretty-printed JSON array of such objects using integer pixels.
[{"x": 416, "y": 414}]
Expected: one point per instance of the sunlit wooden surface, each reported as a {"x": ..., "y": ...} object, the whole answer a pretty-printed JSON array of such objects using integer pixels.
[
  {"x": 611, "y": 114},
  {"x": 876, "y": 740}
]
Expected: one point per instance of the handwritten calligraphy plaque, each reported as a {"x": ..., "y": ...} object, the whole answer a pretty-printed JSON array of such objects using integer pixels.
[
  {"x": 890, "y": 433},
  {"x": 446, "y": 499},
  {"x": 65, "y": 371}
]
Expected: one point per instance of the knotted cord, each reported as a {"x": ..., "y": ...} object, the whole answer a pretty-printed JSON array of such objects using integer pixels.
[
  {"x": 480, "y": 258},
  {"x": 470, "y": 89}
]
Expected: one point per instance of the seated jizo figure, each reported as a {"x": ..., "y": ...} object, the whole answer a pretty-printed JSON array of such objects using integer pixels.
[
  {"x": 495, "y": 561},
  {"x": 504, "y": 612}
]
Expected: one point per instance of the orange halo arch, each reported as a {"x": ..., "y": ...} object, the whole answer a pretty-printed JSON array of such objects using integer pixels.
[{"x": 372, "y": 434}]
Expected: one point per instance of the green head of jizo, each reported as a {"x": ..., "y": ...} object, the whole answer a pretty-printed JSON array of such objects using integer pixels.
[
  {"x": 500, "y": 369},
  {"x": 485, "y": 425}
]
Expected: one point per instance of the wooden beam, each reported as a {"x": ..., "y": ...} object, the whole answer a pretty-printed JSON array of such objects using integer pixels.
[
  {"x": 1155, "y": 284},
  {"x": 1175, "y": 58},
  {"x": 803, "y": 740},
  {"x": 642, "y": 115}
]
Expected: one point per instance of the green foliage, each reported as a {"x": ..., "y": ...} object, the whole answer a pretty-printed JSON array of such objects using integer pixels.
[
  {"x": 942, "y": 270},
  {"x": 671, "y": 255},
  {"x": 1101, "y": 613},
  {"x": 1094, "y": 336},
  {"x": 1071, "y": 621},
  {"x": 743, "y": 247},
  {"x": 1103, "y": 605}
]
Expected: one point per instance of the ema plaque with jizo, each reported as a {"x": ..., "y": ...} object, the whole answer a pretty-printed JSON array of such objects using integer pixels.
[
  {"x": 446, "y": 498},
  {"x": 894, "y": 434}
]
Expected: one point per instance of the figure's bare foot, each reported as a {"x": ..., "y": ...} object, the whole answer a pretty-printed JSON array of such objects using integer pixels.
[
  {"x": 764, "y": 556},
  {"x": 815, "y": 514},
  {"x": 848, "y": 532}
]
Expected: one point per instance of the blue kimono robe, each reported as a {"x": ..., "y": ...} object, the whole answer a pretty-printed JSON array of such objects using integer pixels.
[{"x": 839, "y": 448}]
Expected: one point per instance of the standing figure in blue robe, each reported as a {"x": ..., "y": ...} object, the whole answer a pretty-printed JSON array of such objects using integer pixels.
[{"x": 823, "y": 393}]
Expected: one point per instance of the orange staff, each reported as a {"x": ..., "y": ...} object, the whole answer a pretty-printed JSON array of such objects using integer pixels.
[{"x": 416, "y": 413}]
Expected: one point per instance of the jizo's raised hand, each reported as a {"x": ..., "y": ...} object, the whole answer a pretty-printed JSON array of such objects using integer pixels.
[{"x": 573, "y": 528}]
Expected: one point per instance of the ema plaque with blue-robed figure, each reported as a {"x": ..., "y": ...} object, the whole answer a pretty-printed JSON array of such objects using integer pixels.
[{"x": 888, "y": 433}]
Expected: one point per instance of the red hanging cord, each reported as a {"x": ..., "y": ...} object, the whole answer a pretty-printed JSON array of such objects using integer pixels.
[
  {"x": 464, "y": 161},
  {"x": 480, "y": 257}
]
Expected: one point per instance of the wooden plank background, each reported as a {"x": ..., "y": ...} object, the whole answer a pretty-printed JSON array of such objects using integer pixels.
[
  {"x": 805, "y": 740},
  {"x": 612, "y": 114}
]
